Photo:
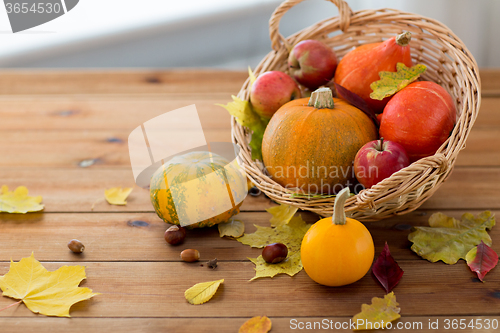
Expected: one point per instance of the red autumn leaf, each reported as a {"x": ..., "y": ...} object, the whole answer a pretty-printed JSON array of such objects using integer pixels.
[
  {"x": 386, "y": 270},
  {"x": 481, "y": 259},
  {"x": 357, "y": 101}
]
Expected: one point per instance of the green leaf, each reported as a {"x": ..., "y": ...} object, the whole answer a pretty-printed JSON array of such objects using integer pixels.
[
  {"x": 290, "y": 234},
  {"x": 377, "y": 315},
  {"x": 392, "y": 82},
  {"x": 246, "y": 116},
  {"x": 282, "y": 214},
  {"x": 202, "y": 292},
  {"x": 448, "y": 239},
  {"x": 312, "y": 196}
]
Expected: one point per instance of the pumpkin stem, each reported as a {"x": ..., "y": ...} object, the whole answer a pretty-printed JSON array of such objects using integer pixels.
[
  {"x": 403, "y": 39},
  {"x": 338, "y": 207},
  {"x": 321, "y": 98}
]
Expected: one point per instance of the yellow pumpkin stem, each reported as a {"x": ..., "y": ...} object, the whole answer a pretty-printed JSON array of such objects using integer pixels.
[
  {"x": 338, "y": 207},
  {"x": 321, "y": 98}
]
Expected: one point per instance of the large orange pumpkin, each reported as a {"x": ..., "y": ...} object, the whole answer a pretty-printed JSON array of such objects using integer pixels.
[
  {"x": 310, "y": 144},
  {"x": 198, "y": 189}
]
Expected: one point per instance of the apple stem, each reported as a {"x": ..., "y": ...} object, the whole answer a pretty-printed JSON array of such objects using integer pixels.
[
  {"x": 339, "y": 217},
  {"x": 381, "y": 144},
  {"x": 403, "y": 39},
  {"x": 321, "y": 98}
]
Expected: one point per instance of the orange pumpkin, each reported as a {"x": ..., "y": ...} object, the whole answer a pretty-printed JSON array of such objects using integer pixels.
[
  {"x": 359, "y": 68},
  {"x": 337, "y": 250},
  {"x": 310, "y": 144}
]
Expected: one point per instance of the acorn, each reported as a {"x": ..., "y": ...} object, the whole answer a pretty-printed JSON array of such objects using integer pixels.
[{"x": 76, "y": 246}]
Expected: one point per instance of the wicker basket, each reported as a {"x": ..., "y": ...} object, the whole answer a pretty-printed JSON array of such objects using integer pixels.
[{"x": 449, "y": 64}]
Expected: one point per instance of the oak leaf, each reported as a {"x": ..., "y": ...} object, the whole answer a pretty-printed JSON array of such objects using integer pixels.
[
  {"x": 481, "y": 259},
  {"x": 282, "y": 214},
  {"x": 450, "y": 240},
  {"x": 117, "y": 195},
  {"x": 392, "y": 82},
  {"x": 259, "y": 324},
  {"x": 378, "y": 314},
  {"x": 202, "y": 292},
  {"x": 19, "y": 201},
  {"x": 290, "y": 234},
  {"x": 386, "y": 270},
  {"x": 44, "y": 292},
  {"x": 233, "y": 228}
]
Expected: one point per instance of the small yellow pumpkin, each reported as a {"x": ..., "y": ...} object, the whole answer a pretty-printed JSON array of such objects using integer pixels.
[
  {"x": 198, "y": 189},
  {"x": 337, "y": 251}
]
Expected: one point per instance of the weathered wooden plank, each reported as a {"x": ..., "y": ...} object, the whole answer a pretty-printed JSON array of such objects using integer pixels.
[
  {"x": 467, "y": 188},
  {"x": 75, "y": 190},
  {"x": 149, "y": 81},
  {"x": 109, "y": 114},
  {"x": 185, "y": 81},
  {"x": 127, "y": 111},
  {"x": 481, "y": 148},
  {"x": 156, "y": 289},
  {"x": 228, "y": 325},
  {"x": 67, "y": 148},
  {"x": 490, "y": 81},
  {"x": 139, "y": 236}
]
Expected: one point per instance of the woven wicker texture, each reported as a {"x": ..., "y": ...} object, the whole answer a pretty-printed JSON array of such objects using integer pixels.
[{"x": 449, "y": 64}]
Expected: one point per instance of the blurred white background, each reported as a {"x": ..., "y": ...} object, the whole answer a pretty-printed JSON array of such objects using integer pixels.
[{"x": 210, "y": 33}]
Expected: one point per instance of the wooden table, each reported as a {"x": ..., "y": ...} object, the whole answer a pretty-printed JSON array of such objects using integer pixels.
[{"x": 52, "y": 121}]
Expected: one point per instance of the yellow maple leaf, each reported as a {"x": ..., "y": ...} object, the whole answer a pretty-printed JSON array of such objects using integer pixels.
[
  {"x": 202, "y": 292},
  {"x": 19, "y": 201},
  {"x": 290, "y": 234},
  {"x": 378, "y": 314},
  {"x": 251, "y": 75},
  {"x": 290, "y": 266},
  {"x": 392, "y": 82},
  {"x": 117, "y": 195},
  {"x": 259, "y": 324},
  {"x": 233, "y": 228},
  {"x": 44, "y": 292},
  {"x": 282, "y": 214}
]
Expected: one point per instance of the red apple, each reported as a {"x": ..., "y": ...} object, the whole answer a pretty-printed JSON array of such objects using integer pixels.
[
  {"x": 377, "y": 160},
  {"x": 270, "y": 91},
  {"x": 420, "y": 117},
  {"x": 312, "y": 63}
]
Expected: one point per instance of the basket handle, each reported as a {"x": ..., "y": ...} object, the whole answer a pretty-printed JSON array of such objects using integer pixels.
[{"x": 277, "y": 39}]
